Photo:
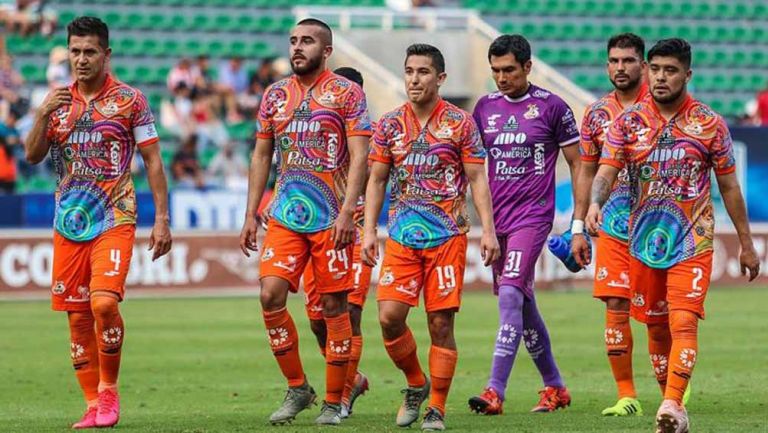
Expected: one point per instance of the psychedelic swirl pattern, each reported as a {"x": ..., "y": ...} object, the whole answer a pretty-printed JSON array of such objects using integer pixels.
[
  {"x": 82, "y": 211},
  {"x": 420, "y": 225},
  {"x": 304, "y": 202},
  {"x": 662, "y": 235}
]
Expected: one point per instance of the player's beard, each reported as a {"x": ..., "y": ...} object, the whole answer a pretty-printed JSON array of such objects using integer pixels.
[
  {"x": 671, "y": 97},
  {"x": 311, "y": 65},
  {"x": 630, "y": 84}
]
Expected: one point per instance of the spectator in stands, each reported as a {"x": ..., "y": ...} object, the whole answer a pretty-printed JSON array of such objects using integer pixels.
[
  {"x": 202, "y": 70},
  {"x": 185, "y": 166},
  {"x": 28, "y": 16},
  {"x": 248, "y": 102},
  {"x": 208, "y": 125},
  {"x": 58, "y": 73},
  {"x": 233, "y": 81},
  {"x": 10, "y": 84},
  {"x": 228, "y": 169},
  {"x": 182, "y": 73},
  {"x": 7, "y": 168},
  {"x": 762, "y": 106},
  {"x": 176, "y": 113},
  {"x": 266, "y": 74}
]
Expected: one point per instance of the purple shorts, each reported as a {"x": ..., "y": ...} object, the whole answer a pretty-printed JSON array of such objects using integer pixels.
[{"x": 519, "y": 251}]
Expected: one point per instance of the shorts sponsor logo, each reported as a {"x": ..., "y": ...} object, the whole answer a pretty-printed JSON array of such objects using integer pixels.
[
  {"x": 412, "y": 290},
  {"x": 638, "y": 300},
  {"x": 83, "y": 295},
  {"x": 623, "y": 281},
  {"x": 290, "y": 266},
  {"x": 59, "y": 288},
  {"x": 387, "y": 278}
]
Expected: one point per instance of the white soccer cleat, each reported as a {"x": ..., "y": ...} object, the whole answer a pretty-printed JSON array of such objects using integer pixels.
[{"x": 671, "y": 418}]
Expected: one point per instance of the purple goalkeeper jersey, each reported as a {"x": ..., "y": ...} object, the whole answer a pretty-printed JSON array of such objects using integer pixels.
[{"x": 523, "y": 137}]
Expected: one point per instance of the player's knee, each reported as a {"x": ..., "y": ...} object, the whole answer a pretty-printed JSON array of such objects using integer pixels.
[
  {"x": 271, "y": 299},
  {"x": 658, "y": 332},
  {"x": 683, "y": 324},
  {"x": 104, "y": 307},
  {"x": 441, "y": 328},
  {"x": 334, "y": 304},
  {"x": 617, "y": 304},
  {"x": 318, "y": 328},
  {"x": 511, "y": 298},
  {"x": 392, "y": 325},
  {"x": 355, "y": 318}
]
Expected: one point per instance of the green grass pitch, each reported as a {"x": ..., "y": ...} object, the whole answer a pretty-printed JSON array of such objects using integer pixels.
[{"x": 203, "y": 365}]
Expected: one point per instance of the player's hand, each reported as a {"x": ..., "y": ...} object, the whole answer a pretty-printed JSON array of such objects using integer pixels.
[
  {"x": 749, "y": 261},
  {"x": 594, "y": 220},
  {"x": 248, "y": 236},
  {"x": 160, "y": 239},
  {"x": 489, "y": 248},
  {"x": 343, "y": 231},
  {"x": 55, "y": 99},
  {"x": 580, "y": 250},
  {"x": 369, "y": 251}
]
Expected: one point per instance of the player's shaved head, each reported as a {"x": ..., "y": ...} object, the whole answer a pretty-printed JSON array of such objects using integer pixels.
[{"x": 325, "y": 34}]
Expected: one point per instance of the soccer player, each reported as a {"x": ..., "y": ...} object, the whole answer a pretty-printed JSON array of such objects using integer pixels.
[
  {"x": 319, "y": 122},
  {"x": 92, "y": 129},
  {"x": 669, "y": 145},
  {"x": 433, "y": 150},
  {"x": 524, "y": 128},
  {"x": 356, "y": 383},
  {"x": 627, "y": 70}
]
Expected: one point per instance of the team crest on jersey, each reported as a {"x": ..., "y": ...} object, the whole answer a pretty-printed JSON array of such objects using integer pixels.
[
  {"x": 109, "y": 108},
  {"x": 444, "y": 132},
  {"x": 532, "y": 113},
  {"x": 269, "y": 253},
  {"x": 638, "y": 300},
  {"x": 491, "y": 121},
  {"x": 59, "y": 288},
  {"x": 693, "y": 128},
  {"x": 511, "y": 124},
  {"x": 327, "y": 98}
]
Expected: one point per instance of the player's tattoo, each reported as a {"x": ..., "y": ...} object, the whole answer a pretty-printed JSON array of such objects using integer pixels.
[{"x": 601, "y": 189}]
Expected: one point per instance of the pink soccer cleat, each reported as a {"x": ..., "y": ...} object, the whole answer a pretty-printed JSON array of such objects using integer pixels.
[
  {"x": 88, "y": 420},
  {"x": 109, "y": 408}
]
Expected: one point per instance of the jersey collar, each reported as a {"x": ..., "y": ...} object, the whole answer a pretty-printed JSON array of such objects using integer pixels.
[{"x": 108, "y": 83}]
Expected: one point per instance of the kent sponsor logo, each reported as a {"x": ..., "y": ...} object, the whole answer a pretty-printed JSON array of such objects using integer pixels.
[
  {"x": 510, "y": 138},
  {"x": 114, "y": 156},
  {"x": 298, "y": 126},
  {"x": 333, "y": 145},
  {"x": 82, "y": 137},
  {"x": 538, "y": 158}
]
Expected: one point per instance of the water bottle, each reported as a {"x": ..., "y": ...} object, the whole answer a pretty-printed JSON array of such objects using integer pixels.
[{"x": 560, "y": 246}]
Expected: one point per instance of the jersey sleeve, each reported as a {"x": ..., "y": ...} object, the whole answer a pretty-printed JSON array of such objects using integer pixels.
[
  {"x": 143, "y": 122},
  {"x": 564, "y": 125},
  {"x": 356, "y": 118},
  {"x": 589, "y": 150},
  {"x": 721, "y": 151},
  {"x": 267, "y": 108},
  {"x": 380, "y": 151},
  {"x": 472, "y": 149},
  {"x": 613, "y": 152},
  {"x": 478, "y": 117}
]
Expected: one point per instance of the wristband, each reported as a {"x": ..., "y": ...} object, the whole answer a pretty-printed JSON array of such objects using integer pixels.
[{"x": 577, "y": 227}]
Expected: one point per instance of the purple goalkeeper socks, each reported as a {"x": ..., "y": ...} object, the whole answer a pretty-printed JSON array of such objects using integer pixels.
[
  {"x": 538, "y": 344},
  {"x": 511, "y": 300}
]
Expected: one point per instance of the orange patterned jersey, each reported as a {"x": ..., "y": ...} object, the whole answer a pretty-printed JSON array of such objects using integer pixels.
[
  {"x": 597, "y": 119},
  {"x": 429, "y": 186},
  {"x": 669, "y": 165},
  {"x": 310, "y": 129},
  {"x": 92, "y": 146}
]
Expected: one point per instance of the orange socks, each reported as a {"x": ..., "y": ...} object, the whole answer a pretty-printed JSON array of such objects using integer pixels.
[
  {"x": 338, "y": 349},
  {"x": 684, "y": 326},
  {"x": 618, "y": 345},
  {"x": 85, "y": 353},
  {"x": 659, "y": 345},
  {"x": 442, "y": 365},
  {"x": 402, "y": 350},
  {"x": 354, "y": 361},
  {"x": 110, "y": 333},
  {"x": 284, "y": 341}
]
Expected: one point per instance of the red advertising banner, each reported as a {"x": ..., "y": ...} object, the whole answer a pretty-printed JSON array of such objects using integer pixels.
[{"x": 213, "y": 261}]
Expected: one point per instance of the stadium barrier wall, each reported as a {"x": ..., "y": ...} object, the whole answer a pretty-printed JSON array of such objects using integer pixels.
[{"x": 213, "y": 261}]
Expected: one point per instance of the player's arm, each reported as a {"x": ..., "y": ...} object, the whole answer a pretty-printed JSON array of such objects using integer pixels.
[
  {"x": 601, "y": 190},
  {"x": 481, "y": 196},
  {"x": 730, "y": 190},
  {"x": 573, "y": 159},
  {"x": 261, "y": 162},
  {"x": 36, "y": 145},
  {"x": 374, "y": 199},
  {"x": 160, "y": 238},
  {"x": 579, "y": 246},
  {"x": 344, "y": 228}
]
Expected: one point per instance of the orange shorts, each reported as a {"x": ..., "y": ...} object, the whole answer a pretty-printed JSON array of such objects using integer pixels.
[
  {"x": 439, "y": 270},
  {"x": 655, "y": 292},
  {"x": 611, "y": 268},
  {"x": 285, "y": 254},
  {"x": 82, "y": 267},
  {"x": 359, "y": 291}
]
